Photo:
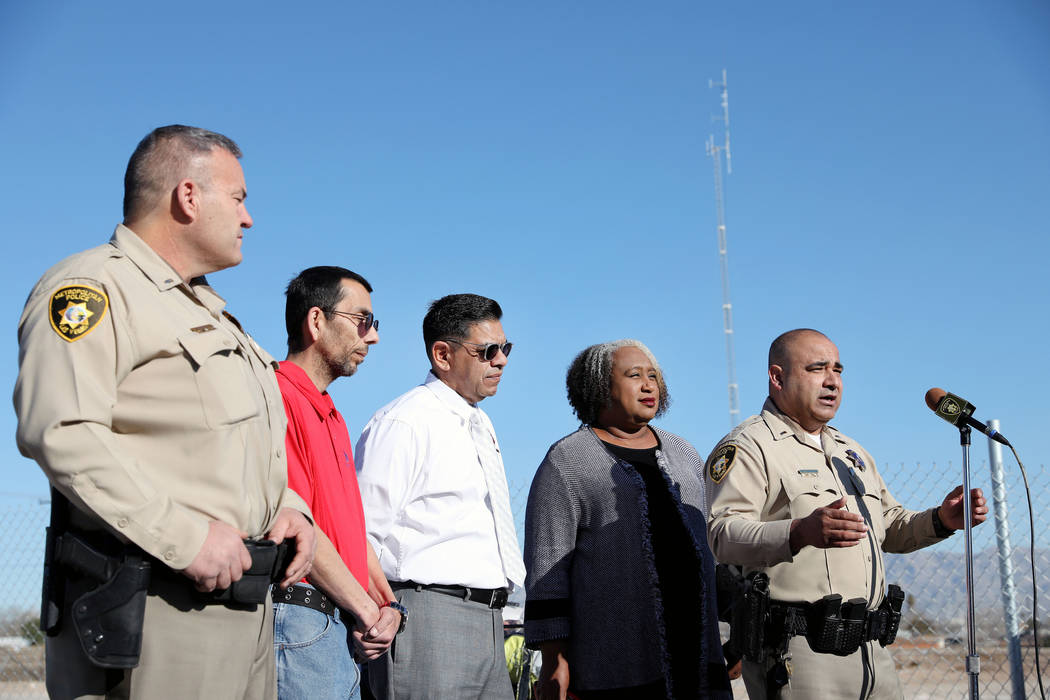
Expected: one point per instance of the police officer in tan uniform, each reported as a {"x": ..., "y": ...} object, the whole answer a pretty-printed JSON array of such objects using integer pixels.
[
  {"x": 795, "y": 498},
  {"x": 160, "y": 426}
]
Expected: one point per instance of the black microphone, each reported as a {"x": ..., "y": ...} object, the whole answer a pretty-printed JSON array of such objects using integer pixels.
[{"x": 955, "y": 410}]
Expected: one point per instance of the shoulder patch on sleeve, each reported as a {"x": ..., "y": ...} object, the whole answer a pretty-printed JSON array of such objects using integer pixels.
[
  {"x": 721, "y": 462},
  {"x": 75, "y": 310}
]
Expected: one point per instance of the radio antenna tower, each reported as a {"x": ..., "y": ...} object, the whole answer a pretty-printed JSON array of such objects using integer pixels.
[{"x": 727, "y": 306}]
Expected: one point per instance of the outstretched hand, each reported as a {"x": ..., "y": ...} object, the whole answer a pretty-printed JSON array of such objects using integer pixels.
[
  {"x": 951, "y": 510},
  {"x": 829, "y": 526}
]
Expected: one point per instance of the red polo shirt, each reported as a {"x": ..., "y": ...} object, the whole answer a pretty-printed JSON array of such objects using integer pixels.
[{"x": 321, "y": 466}]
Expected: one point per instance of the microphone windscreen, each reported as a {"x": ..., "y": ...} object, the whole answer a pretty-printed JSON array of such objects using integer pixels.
[{"x": 934, "y": 396}]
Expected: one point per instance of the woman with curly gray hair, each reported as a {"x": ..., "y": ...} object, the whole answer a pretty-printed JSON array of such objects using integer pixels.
[{"x": 621, "y": 587}]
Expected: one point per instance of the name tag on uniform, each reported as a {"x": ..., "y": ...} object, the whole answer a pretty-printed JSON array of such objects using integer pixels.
[
  {"x": 808, "y": 472},
  {"x": 203, "y": 329}
]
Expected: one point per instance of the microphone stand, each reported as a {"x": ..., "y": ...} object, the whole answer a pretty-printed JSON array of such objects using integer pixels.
[{"x": 973, "y": 660}]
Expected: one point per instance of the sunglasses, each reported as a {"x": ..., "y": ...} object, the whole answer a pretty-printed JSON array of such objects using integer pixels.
[
  {"x": 364, "y": 321},
  {"x": 486, "y": 351}
]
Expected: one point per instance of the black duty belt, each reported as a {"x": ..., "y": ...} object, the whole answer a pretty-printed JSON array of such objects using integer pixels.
[
  {"x": 495, "y": 598},
  {"x": 834, "y": 627},
  {"x": 791, "y": 618},
  {"x": 306, "y": 597}
]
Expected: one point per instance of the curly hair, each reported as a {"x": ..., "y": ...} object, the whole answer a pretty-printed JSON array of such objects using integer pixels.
[{"x": 589, "y": 379}]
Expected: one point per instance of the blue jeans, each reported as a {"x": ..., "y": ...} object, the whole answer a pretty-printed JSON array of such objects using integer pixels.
[{"x": 314, "y": 657}]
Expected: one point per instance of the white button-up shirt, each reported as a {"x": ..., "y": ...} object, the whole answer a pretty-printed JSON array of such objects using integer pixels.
[{"x": 426, "y": 502}]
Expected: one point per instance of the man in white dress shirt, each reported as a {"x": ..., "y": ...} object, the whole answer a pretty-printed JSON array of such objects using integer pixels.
[{"x": 438, "y": 512}]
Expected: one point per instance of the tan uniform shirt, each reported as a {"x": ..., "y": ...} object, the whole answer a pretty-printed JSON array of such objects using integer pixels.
[
  {"x": 146, "y": 404},
  {"x": 766, "y": 473}
]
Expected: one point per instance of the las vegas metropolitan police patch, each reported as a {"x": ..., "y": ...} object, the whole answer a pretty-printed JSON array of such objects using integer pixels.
[
  {"x": 721, "y": 461},
  {"x": 76, "y": 310}
]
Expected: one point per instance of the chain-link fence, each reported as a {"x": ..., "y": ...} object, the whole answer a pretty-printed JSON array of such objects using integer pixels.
[
  {"x": 930, "y": 650},
  {"x": 21, "y": 643}
]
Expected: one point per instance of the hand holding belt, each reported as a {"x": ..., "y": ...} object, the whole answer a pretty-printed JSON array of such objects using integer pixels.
[{"x": 269, "y": 562}]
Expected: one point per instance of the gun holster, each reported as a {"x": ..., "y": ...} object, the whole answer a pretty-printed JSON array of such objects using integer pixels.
[
  {"x": 749, "y": 619},
  {"x": 53, "y": 593},
  {"x": 108, "y": 619}
]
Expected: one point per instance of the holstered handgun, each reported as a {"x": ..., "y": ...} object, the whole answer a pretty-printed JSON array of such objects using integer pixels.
[{"x": 749, "y": 618}]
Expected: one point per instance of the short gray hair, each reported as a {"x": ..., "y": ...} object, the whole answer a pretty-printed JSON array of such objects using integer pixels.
[
  {"x": 589, "y": 379},
  {"x": 164, "y": 157}
]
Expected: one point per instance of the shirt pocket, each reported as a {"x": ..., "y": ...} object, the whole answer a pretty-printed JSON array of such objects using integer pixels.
[
  {"x": 807, "y": 493},
  {"x": 221, "y": 372}
]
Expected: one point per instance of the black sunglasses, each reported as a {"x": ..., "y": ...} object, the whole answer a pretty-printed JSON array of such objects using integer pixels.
[
  {"x": 486, "y": 351},
  {"x": 364, "y": 321}
]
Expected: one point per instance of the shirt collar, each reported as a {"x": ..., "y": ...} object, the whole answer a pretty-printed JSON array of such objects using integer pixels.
[
  {"x": 448, "y": 396},
  {"x": 152, "y": 265},
  {"x": 298, "y": 377},
  {"x": 782, "y": 425},
  {"x": 160, "y": 272}
]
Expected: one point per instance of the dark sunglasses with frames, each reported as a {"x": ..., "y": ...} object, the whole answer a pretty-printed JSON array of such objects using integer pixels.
[
  {"x": 486, "y": 351},
  {"x": 363, "y": 321}
]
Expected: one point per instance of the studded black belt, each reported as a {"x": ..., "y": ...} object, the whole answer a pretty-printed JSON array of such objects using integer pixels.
[{"x": 305, "y": 596}]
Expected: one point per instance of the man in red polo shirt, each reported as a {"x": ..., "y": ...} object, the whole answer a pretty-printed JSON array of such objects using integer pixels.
[{"x": 346, "y": 597}]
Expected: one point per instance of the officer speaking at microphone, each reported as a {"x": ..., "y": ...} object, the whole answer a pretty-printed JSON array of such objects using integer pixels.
[{"x": 802, "y": 510}]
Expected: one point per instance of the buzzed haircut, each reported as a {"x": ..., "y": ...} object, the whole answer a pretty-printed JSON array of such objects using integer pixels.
[
  {"x": 165, "y": 156},
  {"x": 778, "y": 349},
  {"x": 320, "y": 286},
  {"x": 451, "y": 317}
]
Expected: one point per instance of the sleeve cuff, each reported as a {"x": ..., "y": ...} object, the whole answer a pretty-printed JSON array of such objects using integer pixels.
[
  {"x": 165, "y": 530},
  {"x": 940, "y": 530},
  {"x": 293, "y": 500},
  {"x": 537, "y": 631}
]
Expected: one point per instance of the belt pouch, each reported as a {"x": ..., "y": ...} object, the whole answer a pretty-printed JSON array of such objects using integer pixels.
[
  {"x": 255, "y": 582},
  {"x": 853, "y": 615},
  {"x": 891, "y": 605},
  {"x": 824, "y": 624},
  {"x": 108, "y": 619}
]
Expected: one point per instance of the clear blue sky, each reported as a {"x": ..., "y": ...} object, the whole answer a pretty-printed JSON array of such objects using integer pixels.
[{"x": 890, "y": 186}]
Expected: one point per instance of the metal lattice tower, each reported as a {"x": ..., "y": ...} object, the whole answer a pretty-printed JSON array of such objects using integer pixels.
[{"x": 727, "y": 306}]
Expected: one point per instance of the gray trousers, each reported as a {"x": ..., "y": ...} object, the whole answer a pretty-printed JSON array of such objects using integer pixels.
[
  {"x": 451, "y": 649},
  {"x": 867, "y": 674}
]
